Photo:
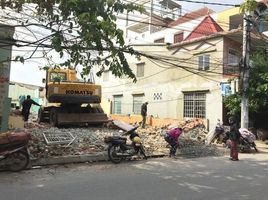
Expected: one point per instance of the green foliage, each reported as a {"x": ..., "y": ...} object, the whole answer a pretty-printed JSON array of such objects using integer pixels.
[
  {"x": 248, "y": 6},
  {"x": 258, "y": 87},
  {"x": 85, "y": 30},
  {"x": 232, "y": 102},
  {"x": 258, "y": 90}
]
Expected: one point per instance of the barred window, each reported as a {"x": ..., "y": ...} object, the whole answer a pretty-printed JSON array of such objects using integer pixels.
[
  {"x": 233, "y": 58},
  {"x": 117, "y": 104},
  {"x": 195, "y": 105},
  {"x": 137, "y": 102},
  {"x": 203, "y": 62}
]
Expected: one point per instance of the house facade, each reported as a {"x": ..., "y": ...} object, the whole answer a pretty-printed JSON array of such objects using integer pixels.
[{"x": 186, "y": 78}]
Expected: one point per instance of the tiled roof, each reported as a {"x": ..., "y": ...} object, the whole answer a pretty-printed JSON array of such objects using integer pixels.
[
  {"x": 191, "y": 16},
  {"x": 237, "y": 33},
  {"x": 207, "y": 27}
]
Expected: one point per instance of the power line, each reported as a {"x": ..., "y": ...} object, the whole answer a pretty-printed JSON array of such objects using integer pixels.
[
  {"x": 209, "y": 3},
  {"x": 183, "y": 16}
]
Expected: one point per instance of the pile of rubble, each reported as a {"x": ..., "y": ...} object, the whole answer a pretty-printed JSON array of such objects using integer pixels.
[
  {"x": 192, "y": 141},
  {"x": 84, "y": 141},
  {"x": 88, "y": 140}
]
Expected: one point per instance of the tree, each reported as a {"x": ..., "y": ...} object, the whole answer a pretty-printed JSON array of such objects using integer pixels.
[
  {"x": 257, "y": 92},
  {"x": 82, "y": 32}
]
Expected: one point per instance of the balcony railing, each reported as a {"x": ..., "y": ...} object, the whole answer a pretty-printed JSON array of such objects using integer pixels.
[{"x": 231, "y": 70}]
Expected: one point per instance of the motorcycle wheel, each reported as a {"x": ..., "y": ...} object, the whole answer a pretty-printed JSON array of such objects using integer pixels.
[
  {"x": 142, "y": 151},
  {"x": 18, "y": 161},
  {"x": 112, "y": 150}
]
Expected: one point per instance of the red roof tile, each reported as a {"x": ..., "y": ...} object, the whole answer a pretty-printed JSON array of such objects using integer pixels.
[
  {"x": 207, "y": 27},
  {"x": 191, "y": 16}
]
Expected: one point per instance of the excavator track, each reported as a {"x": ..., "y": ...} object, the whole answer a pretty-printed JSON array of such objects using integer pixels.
[{"x": 57, "y": 116}]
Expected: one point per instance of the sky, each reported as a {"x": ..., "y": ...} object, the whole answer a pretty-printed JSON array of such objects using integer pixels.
[
  {"x": 30, "y": 72},
  {"x": 193, "y": 6}
]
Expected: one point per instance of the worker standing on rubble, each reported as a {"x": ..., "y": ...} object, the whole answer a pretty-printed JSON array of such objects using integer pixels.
[
  {"x": 26, "y": 106},
  {"x": 171, "y": 138},
  {"x": 144, "y": 113}
]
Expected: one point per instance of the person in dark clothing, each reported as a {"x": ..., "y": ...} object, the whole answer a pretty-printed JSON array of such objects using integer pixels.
[
  {"x": 234, "y": 136},
  {"x": 144, "y": 113},
  {"x": 26, "y": 106}
]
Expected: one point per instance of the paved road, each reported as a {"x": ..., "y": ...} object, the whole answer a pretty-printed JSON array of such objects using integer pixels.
[{"x": 155, "y": 179}]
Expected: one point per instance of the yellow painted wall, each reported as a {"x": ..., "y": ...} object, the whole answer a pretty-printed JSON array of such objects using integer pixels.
[
  {"x": 106, "y": 105},
  {"x": 223, "y": 17}
]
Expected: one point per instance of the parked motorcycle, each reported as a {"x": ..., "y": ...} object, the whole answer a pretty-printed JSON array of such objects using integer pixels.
[
  {"x": 13, "y": 151},
  {"x": 246, "y": 141},
  {"x": 118, "y": 149}
]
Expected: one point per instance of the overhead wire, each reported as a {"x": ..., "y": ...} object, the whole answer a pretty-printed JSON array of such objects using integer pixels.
[
  {"x": 193, "y": 15},
  {"x": 156, "y": 24},
  {"x": 210, "y": 3}
]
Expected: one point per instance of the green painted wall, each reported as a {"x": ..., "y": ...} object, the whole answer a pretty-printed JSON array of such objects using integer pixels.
[{"x": 5, "y": 55}]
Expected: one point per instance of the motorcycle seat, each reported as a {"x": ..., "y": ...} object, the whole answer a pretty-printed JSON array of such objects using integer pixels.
[{"x": 114, "y": 138}]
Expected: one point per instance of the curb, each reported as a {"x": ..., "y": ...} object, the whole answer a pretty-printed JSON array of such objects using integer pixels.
[
  {"x": 57, "y": 160},
  {"x": 70, "y": 159}
]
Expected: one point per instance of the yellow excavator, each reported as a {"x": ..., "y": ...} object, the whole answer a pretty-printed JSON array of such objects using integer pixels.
[{"x": 70, "y": 101}]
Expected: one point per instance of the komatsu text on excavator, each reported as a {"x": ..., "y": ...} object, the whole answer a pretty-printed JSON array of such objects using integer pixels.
[{"x": 70, "y": 101}]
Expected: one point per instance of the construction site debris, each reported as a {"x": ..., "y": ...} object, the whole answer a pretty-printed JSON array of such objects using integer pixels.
[
  {"x": 90, "y": 140},
  {"x": 58, "y": 138}
]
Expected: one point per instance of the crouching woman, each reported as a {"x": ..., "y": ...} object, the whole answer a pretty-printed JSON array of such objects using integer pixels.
[{"x": 171, "y": 137}]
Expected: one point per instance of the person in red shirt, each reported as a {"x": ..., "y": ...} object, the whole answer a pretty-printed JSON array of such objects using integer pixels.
[{"x": 171, "y": 137}]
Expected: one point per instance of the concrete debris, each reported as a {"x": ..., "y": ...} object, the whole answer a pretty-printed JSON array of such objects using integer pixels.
[
  {"x": 192, "y": 141},
  {"x": 89, "y": 140}
]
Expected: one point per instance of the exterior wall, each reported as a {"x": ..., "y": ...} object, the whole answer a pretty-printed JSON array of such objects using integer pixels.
[
  {"x": 222, "y": 18},
  {"x": 178, "y": 74},
  {"x": 16, "y": 90},
  {"x": 172, "y": 81},
  {"x": 167, "y": 33},
  {"x": 203, "y": 80},
  {"x": 6, "y": 33},
  {"x": 155, "y": 14},
  {"x": 156, "y": 122},
  {"x": 230, "y": 44}
]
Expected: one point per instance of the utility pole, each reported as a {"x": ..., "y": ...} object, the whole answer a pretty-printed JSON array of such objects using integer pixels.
[{"x": 245, "y": 72}]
